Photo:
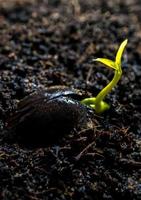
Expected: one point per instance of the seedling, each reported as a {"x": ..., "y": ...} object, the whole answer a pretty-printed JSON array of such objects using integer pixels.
[{"x": 98, "y": 102}]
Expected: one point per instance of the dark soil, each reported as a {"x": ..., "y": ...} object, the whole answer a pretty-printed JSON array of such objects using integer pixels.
[{"x": 47, "y": 43}]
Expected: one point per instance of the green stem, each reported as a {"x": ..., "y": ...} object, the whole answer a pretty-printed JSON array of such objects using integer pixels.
[{"x": 99, "y": 98}]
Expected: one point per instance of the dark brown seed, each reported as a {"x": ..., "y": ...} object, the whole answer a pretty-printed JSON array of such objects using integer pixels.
[{"x": 47, "y": 115}]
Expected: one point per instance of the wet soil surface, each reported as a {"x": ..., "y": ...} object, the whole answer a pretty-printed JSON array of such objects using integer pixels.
[{"x": 50, "y": 43}]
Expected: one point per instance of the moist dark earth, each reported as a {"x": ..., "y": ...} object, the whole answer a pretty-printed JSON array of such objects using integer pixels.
[{"x": 52, "y": 43}]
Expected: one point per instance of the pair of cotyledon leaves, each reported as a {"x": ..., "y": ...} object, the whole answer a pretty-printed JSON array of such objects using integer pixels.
[{"x": 117, "y": 63}]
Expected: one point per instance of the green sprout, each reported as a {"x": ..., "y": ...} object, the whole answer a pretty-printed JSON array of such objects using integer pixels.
[{"x": 97, "y": 102}]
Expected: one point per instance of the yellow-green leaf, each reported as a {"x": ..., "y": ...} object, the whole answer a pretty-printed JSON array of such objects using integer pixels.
[
  {"x": 120, "y": 52},
  {"x": 107, "y": 62}
]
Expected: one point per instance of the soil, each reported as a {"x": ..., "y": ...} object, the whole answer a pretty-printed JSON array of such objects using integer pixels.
[{"x": 49, "y": 43}]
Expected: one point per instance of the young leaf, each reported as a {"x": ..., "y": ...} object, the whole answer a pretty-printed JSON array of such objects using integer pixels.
[
  {"x": 120, "y": 52},
  {"x": 107, "y": 62}
]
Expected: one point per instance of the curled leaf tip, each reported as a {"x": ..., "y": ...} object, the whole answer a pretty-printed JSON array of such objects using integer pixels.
[
  {"x": 126, "y": 41},
  {"x": 95, "y": 59}
]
